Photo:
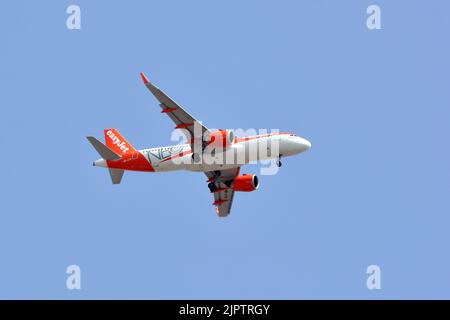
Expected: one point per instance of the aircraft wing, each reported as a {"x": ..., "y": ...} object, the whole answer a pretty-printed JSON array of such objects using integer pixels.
[
  {"x": 223, "y": 197},
  {"x": 181, "y": 118}
]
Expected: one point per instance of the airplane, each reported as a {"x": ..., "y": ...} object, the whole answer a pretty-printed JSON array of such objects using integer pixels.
[{"x": 223, "y": 175}]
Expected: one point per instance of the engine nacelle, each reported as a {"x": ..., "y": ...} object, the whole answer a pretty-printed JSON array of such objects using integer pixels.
[
  {"x": 221, "y": 139},
  {"x": 246, "y": 183}
]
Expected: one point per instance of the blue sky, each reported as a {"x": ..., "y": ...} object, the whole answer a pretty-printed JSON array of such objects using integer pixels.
[{"x": 373, "y": 189}]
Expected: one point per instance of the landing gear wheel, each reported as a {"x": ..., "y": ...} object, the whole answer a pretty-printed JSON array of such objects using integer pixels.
[
  {"x": 196, "y": 157},
  {"x": 212, "y": 187},
  {"x": 278, "y": 163}
]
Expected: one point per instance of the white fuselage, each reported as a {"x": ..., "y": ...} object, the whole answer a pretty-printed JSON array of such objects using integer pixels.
[{"x": 242, "y": 151}]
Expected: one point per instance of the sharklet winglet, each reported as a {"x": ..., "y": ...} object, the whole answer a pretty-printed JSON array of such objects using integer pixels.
[{"x": 144, "y": 78}]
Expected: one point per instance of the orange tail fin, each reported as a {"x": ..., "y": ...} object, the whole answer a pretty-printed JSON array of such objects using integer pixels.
[{"x": 117, "y": 143}]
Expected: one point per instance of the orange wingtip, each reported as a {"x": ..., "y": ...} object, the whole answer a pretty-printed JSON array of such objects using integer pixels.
[{"x": 144, "y": 78}]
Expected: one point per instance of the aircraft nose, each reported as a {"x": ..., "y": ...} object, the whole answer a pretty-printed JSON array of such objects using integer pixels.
[
  {"x": 303, "y": 144},
  {"x": 307, "y": 144}
]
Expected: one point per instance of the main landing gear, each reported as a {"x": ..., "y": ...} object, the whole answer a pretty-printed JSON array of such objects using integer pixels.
[
  {"x": 212, "y": 185},
  {"x": 196, "y": 157}
]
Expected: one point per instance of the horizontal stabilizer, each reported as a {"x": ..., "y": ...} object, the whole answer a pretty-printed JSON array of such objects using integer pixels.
[
  {"x": 116, "y": 175},
  {"x": 105, "y": 152}
]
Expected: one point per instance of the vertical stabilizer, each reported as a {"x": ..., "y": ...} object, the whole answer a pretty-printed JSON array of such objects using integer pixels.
[{"x": 117, "y": 143}]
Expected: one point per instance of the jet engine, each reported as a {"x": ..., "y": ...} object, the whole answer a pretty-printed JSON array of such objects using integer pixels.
[
  {"x": 221, "y": 139},
  {"x": 246, "y": 183}
]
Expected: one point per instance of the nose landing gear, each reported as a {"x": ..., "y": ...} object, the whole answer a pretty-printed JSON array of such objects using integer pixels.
[{"x": 278, "y": 163}]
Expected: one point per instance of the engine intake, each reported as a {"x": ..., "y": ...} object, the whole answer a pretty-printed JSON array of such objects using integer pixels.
[
  {"x": 221, "y": 139},
  {"x": 246, "y": 183}
]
